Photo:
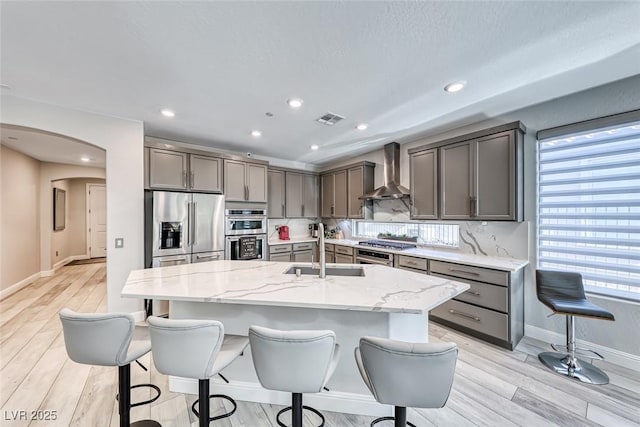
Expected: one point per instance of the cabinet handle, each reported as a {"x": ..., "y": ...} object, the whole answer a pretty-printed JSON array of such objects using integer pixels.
[
  {"x": 473, "y": 206},
  {"x": 468, "y": 316},
  {"x": 455, "y": 270},
  {"x": 283, "y": 211},
  {"x": 192, "y": 179},
  {"x": 332, "y": 209},
  {"x": 302, "y": 209},
  {"x": 474, "y": 293},
  {"x": 412, "y": 263},
  {"x": 246, "y": 192},
  {"x": 184, "y": 178}
]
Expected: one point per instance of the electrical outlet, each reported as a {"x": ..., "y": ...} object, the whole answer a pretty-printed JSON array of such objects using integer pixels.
[{"x": 277, "y": 227}]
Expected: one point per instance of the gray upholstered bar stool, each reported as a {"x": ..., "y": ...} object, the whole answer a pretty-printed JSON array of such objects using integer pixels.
[
  {"x": 109, "y": 339},
  {"x": 563, "y": 293},
  {"x": 196, "y": 349},
  {"x": 296, "y": 362},
  {"x": 403, "y": 374}
]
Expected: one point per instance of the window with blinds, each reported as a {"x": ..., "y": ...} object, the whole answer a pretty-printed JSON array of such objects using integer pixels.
[{"x": 589, "y": 208}]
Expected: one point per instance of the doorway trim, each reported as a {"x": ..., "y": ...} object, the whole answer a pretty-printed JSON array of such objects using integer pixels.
[{"x": 87, "y": 215}]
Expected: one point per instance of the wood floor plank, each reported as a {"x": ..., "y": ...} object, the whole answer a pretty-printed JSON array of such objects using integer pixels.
[
  {"x": 98, "y": 398},
  {"x": 602, "y": 416},
  {"x": 65, "y": 393},
  {"x": 474, "y": 411},
  {"x": 171, "y": 412},
  {"x": 551, "y": 412},
  {"x": 438, "y": 417}
]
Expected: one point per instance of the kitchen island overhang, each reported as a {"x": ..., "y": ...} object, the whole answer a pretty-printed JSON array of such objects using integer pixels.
[{"x": 385, "y": 302}]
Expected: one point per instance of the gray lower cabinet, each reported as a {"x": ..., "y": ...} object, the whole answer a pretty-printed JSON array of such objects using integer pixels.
[
  {"x": 280, "y": 253},
  {"x": 344, "y": 254},
  {"x": 276, "y": 191},
  {"x": 174, "y": 170},
  {"x": 245, "y": 182},
  {"x": 296, "y": 252},
  {"x": 329, "y": 252},
  {"x": 492, "y": 309},
  {"x": 423, "y": 167},
  {"x": 412, "y": 263}
]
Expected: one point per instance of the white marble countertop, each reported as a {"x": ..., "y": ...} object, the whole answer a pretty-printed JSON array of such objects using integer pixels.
[
  {"x": 382, "y": 288},
  {"x": 294, "y": 239},
  {"x": 496, "y": 263}
]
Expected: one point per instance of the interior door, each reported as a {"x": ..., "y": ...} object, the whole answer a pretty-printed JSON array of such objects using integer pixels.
[{"x": 97, "y": 220}]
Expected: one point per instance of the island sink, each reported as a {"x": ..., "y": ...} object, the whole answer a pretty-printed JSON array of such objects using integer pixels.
[{"x": 331, "y": 271}]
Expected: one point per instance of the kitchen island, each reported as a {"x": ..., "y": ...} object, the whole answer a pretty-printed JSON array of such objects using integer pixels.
[{"x": 383, "y": 302}]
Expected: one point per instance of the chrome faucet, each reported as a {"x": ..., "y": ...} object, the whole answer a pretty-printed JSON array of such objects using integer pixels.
[{"x": 323, "y": 259}]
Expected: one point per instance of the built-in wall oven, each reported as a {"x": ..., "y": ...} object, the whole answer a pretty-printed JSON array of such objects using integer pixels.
[
  {"x": 368, "y": 256},
  {"x": 245, "y": 231}
]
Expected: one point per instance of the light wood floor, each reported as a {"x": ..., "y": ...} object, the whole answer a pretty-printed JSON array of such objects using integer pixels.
[{"x": 492, "y": 387}]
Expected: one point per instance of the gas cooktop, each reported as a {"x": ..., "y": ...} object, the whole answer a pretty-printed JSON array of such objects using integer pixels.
[{"x": 387, "y": 245}]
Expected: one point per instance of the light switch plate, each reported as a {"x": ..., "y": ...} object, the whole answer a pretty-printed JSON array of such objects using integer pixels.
[{"x": 119, "y": 242}]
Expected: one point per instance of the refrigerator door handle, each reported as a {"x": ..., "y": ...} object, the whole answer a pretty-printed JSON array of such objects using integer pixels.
[
  {"x": 194, "y": 210},
  {"x": 189, "y": 225}
]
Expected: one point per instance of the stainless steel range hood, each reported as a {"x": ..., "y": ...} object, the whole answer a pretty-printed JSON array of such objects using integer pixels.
[{"x": 391, "y": 188}]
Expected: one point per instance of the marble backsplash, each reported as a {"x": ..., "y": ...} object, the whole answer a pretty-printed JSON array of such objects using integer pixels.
[
  {"x": 298, "y": 227},
  {"x": 489, "y": 238}
]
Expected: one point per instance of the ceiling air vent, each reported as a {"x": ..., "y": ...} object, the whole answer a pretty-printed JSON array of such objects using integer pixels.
[{"x": 329, "y": 119}]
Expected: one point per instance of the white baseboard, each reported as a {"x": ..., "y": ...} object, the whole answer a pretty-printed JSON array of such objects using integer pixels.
[
  {"x": 617, "y": 357},
  {"x": 350, "y": 403},
  {"x": 44, "y": 273},
  {"x": 17, "y": 286}
]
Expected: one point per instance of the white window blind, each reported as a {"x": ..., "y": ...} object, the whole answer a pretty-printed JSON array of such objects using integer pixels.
[{"x": 589, "y": 208}]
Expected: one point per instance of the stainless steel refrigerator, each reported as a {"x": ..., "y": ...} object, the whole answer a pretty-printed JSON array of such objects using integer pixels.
[{"x": 182, "y": 228}]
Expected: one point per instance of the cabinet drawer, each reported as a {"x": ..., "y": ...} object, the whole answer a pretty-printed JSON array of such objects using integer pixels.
[
  {"x": 400, "y": 267},
  {"x": 282, "y": 257},
  {"x": 277, "y": 249},
  {"x": 483, "y": 294},
  {"x": 468, "y": 272},
  {"x": 411, "y": 262},
  {"x": 343, "y": 259},
  {"x": 345, "y": 250},
  {"x": 303, "y": 246},
  {"x": 328, "y": 247},
  {"x": 476, "y": 318}
]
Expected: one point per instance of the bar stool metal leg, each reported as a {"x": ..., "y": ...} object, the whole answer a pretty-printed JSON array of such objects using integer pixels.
[{"x": 569, "y": 365}]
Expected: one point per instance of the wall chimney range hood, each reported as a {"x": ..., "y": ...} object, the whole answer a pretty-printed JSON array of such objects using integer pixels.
[{"x": 391, "y": 188}]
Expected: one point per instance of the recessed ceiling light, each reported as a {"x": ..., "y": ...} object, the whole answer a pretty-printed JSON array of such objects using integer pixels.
[
  {"x": 167, "y": 113},
  {"x": 314, "y": 147},
  {"x": 3, "y": 86},
  {"x": 85, "y": 159},
  {"x": 256, "y": 133},
  {"x": 455, "y": 86},
  {"x": 362, "y": 126},
  {"x": 294, "y": 102}
]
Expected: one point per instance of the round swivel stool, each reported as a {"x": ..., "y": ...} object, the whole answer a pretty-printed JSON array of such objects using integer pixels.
[
  {"x": 403, "y": 374},
  {"x": 563, "y": 292},
  {"x": 109, "y": 339},
  {"x": 296, "y": 362},
  {"x": 196, "y": 349}
]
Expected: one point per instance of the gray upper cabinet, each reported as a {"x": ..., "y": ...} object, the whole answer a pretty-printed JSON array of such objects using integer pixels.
[
  {"x": 424, "y": 184},
  {"x": 301, "y": 195},
  {"x": 340, "y": 194},
  {"x": 341, "y": 191},
  {"x": 276, "y": 191},
  {"x": 205, "y": 173},
  {"x": 245, "y": 182},
  {"x": 327, "y": 191},
  {"x": 477, "y": 176},
  {"x": 167, "y": 169},
  {"x": 456, "y": 175},
  {"x": 174, "y": 170},
  {"x": 495, "y": 177}
]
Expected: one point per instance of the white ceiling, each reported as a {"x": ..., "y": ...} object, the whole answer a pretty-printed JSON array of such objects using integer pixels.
[
  {"x": 222, "y": 65},
  {"x": 48, "y": 147}
]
